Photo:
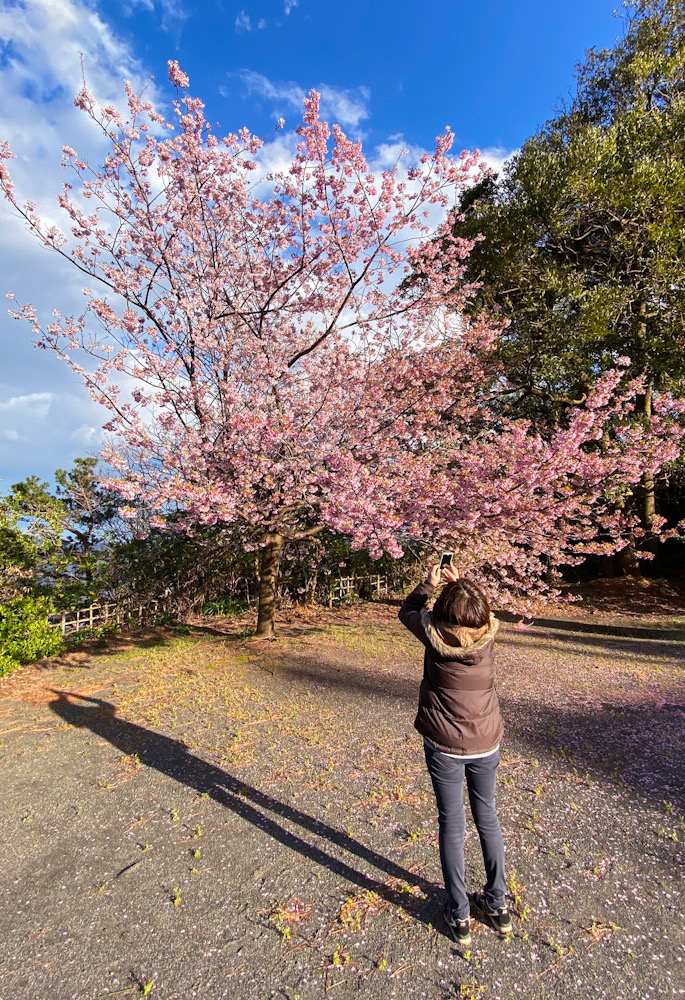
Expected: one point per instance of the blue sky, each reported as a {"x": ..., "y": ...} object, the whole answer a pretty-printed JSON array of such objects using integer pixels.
[{"x": 492, "y": 70}]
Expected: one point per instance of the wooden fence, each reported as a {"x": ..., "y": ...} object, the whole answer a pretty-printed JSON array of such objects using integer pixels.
[
  {"x": 344, "y": 588},
  {"x": 347, "y": 587},
  {"x": 96, "y": 615}
]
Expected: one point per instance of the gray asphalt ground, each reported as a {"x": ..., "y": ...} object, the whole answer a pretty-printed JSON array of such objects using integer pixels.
[{"x": 205, "y": 816}]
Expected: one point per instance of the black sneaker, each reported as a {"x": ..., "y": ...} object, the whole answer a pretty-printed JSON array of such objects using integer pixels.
[
  {"x": 499, "y": 919},
  {"x": 459, "y": 929}
]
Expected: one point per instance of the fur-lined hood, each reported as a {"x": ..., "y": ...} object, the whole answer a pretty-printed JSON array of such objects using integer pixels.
[{"x": 461, "y": 642}]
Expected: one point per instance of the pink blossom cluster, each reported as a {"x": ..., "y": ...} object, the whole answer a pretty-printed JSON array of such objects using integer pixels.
[{"x": 291, "y": 371}]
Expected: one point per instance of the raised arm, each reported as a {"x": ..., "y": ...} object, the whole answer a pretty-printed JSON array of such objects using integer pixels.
[{"x": 410, "y": 612}]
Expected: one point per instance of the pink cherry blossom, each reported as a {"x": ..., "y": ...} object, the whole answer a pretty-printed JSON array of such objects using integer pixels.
[
  {"x": 299, "y": 357},
  {"x": 176, "y": 74}
]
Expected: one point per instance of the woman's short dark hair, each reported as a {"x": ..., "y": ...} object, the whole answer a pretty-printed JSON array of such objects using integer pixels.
[{"x": 462, "y": 603}]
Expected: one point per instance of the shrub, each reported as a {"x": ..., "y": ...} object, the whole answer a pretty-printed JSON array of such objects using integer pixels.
[
  {"x": 24, "y": 632},
  {"x": 226, "y": 605},
  {"x": 6, "y": 664},
  {"x": 99, "y": 633}
]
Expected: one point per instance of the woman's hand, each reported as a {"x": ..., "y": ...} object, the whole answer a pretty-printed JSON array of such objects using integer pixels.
[{"x": 444, "y": 574}]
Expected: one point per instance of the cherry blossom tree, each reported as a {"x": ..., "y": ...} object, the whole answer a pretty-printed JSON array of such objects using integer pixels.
[{"x": 270, "y": 364}]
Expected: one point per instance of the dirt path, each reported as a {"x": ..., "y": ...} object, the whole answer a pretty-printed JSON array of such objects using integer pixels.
[{"x": 206, "y": 816}]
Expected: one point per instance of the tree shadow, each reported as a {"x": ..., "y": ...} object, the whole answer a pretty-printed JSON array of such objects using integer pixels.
[
  {"x": 607, "y": 648},
  {"x": 568, "y": 625},
  {"x": 639, "y": 745},
  {"x": 315, "y": 671},
  {"x": 230, "y": 632},
  {"x": 172, "y": 758},
  {"x": 246, "y": 633}
]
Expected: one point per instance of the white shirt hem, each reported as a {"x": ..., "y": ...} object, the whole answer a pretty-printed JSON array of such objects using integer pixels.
[{"x": 461, "y": 756}]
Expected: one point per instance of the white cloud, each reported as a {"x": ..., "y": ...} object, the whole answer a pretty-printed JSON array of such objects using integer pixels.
[
  {"x": 86, "y": 434},
  {"x": 43, "y": 68},
  {"x": 289, "y": 5},
  {"x": 395, "y": 151},
  {"x": 173, "y": 12},
  {"x": 34, "y": 404},
  {"x": 42, "y": 403},
  {"x": 243, "y": 21},
  {"x": 277, "y": 155},
  {"x": 345, "y": 107},
  {"x": 497, "y": 156},
  {"x": 44, "y": 431}
]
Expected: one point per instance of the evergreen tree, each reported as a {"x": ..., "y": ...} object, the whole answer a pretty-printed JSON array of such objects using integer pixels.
[{"x": 583, "y": 255}]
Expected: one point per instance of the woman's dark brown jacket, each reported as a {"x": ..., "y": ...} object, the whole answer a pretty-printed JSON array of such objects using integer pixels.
[{"x": 458, "y": 705}]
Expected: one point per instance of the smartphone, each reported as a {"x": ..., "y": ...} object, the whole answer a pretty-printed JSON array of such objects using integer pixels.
[{"x": 446, "y": 559}]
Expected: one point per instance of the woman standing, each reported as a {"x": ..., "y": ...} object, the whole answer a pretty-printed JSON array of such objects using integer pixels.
[{"x": 461, "y": 725}]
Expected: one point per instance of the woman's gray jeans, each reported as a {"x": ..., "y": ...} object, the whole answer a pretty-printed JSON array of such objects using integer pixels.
[{"x": 448, "y": 774}]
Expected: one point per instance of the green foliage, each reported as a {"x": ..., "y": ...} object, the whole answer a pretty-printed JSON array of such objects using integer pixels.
[
  {"x": 580, "y": 244},
  {"x": 88, "y": 529},
  {"x": 226, "y": 605},
  {"x": 644, "y": 69},
  {"x": 55, "y": 542},
  {"x": 24, "y": 632},
  {"x": 29, "y": 533},
  {"x": 7, "y": 664},
  {"x": 584, "y": 252},
  {"x": 188, "y": 570},
  {"x": 40, "y": 514},
  {"x": 307, "y": 566},
  {"x": 18, "y": 557}
]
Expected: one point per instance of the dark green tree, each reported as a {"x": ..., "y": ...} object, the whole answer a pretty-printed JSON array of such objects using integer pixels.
[
  {"x": 31, "y": 524},
  {"x": 19, "y": 557},
  {"x": 185, "y": 570},
  {"x": 59, "y": 539},
  {"x": 90, "y": 514},
  {"x": 583, "y": 250}
]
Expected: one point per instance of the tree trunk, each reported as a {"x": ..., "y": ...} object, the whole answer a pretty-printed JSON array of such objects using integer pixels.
[
  {"x": 310, "y": 596},
  {"x": 627, "y": 561},
  {"x": 268, "y": 576},
  {"x": 647, "y": 507},
  {"x": 647, "y": 498}
]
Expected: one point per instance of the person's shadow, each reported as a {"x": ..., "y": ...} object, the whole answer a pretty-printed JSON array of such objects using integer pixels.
[{"x": 172, "y": 758}]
